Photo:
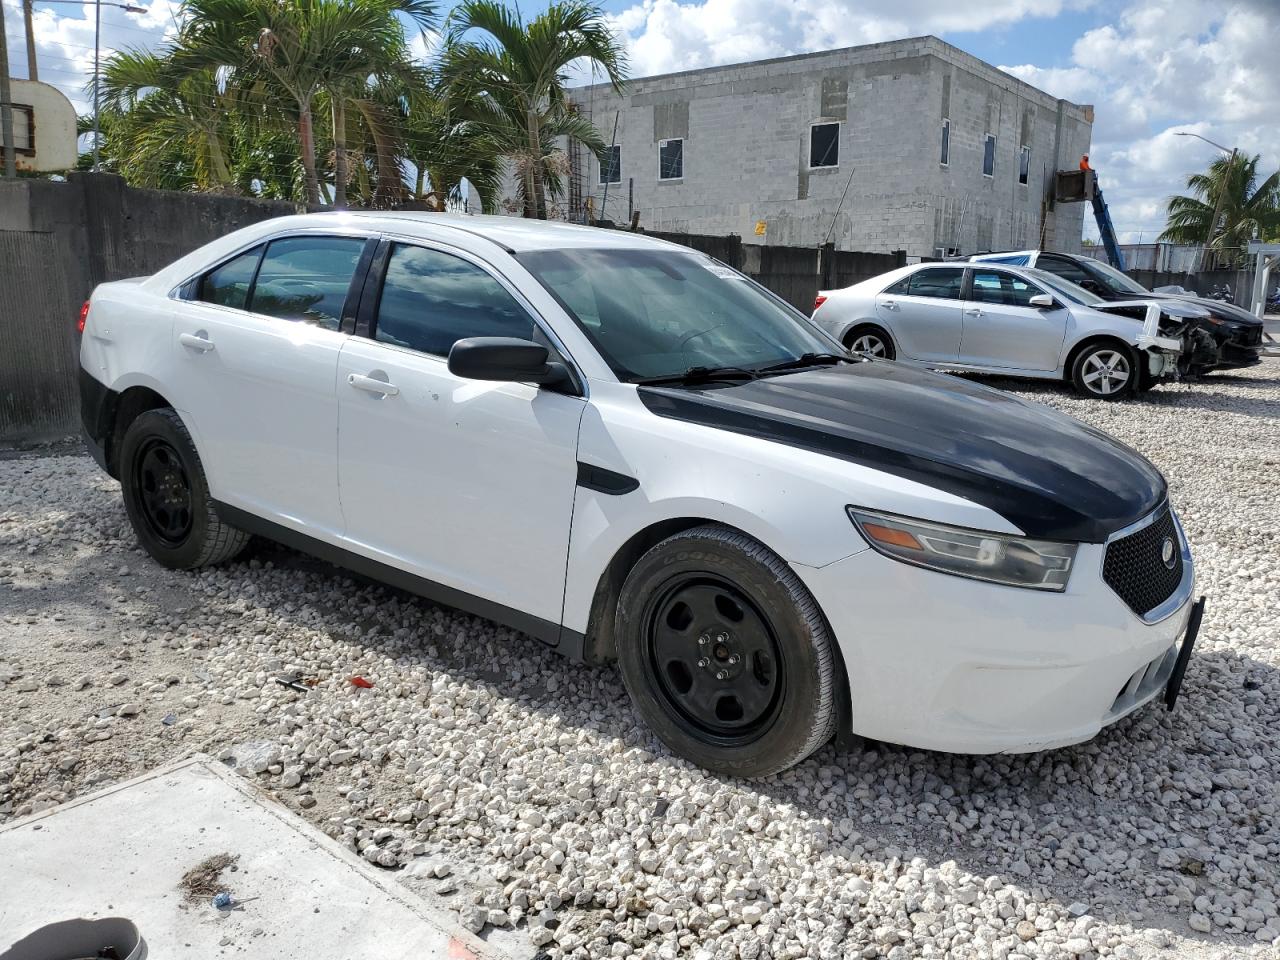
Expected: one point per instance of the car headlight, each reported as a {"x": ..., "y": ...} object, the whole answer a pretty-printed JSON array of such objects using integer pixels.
[{"x": 995, "y": 557}]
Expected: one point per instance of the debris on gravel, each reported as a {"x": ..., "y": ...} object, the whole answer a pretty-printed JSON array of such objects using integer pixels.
[
  {"x": 520, "y": 790},
  {"x": 204, "y": 880}
]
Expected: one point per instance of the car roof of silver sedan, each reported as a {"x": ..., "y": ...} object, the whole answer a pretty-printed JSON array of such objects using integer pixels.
[{"x": 513, "y": 233}]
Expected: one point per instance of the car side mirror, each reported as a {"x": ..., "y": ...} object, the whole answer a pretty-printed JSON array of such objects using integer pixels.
[
  {"x": 1043, "y": 301},
  {"x": 506, "y": 359}
]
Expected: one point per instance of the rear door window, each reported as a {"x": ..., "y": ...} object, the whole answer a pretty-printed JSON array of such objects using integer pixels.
[
  {"x": 943, "y": 283},
  {"x": 1002, "y": 288},
  {"x": 228, "y": 285},
  {"x": 431, "y": 299},
  {"x": 306, "y": 279}
]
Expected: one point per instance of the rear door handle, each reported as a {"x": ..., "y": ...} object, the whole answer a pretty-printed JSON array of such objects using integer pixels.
[
  {"x": 373, "y": 385},
  {"x": 889, "y": 304},
  {"x": 203, "y": 344},
  {"x": 973, "y": 312}
]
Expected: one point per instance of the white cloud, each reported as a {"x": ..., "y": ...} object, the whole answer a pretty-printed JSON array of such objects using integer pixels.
[
  {"x": 1167, "y": 67},
  {"x": 665, "y": 35},
  {"x": 64, "y": 40}
]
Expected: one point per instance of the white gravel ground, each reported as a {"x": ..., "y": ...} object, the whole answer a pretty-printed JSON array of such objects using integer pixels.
[{"x": 521, "y": 788}]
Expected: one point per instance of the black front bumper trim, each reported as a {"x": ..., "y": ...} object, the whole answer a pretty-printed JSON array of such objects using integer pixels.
[{"x": 1184, "y": 655}]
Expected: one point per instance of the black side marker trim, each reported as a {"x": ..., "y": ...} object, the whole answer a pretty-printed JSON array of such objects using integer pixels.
[
  {"x": 605, "y": 481},
  {"x": 536, "y": 627}
]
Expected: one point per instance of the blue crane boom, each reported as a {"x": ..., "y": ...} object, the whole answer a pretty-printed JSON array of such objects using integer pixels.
[{"x": 1105, "y": 227}]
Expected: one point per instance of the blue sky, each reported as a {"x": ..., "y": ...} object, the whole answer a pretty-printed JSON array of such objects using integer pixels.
[{"x": 1152, "y": 68}]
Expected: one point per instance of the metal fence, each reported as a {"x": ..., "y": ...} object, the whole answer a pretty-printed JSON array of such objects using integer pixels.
[{"x": 796, "y": 274}]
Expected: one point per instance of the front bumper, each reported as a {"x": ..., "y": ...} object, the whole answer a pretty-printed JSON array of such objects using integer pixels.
[{"x": 947, "y": 663}]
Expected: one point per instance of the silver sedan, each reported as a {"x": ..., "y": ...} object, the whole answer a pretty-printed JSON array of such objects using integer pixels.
[{"x": 1016, "y": 321}]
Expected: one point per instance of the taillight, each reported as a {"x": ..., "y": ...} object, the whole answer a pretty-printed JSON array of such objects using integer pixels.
[
  {"x": 819, "y": 301},
  {"x": 84, "y": 315}
]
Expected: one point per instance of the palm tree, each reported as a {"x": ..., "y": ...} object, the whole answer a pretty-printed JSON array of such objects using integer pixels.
[
  {"x": 1248, "y": 208},
  {"x": 301, "y": 48},
  {"x": 445, "y": 150},
  {"x": 164, "y": 128},
  {"x": 508, "y": 77}
]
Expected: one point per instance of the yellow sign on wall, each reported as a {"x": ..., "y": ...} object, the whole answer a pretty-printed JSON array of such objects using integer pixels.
[{"x": 760, "y": 228}]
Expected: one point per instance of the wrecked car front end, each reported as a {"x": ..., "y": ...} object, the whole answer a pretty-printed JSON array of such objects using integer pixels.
[{"x": 1173, "y": 338}]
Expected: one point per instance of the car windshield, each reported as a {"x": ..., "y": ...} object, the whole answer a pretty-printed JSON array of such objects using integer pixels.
[
  {"x": 1115, "y": 280},
  {"x": 658, "y": 313},
  {"x": 1070, "y": 290}
]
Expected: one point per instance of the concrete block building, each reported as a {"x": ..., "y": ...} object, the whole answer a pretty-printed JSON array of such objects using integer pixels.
[{"x": 909, "y": 145}]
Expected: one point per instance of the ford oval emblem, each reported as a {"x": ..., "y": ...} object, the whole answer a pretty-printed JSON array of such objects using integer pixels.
[{"x": 1167, "y": 552}]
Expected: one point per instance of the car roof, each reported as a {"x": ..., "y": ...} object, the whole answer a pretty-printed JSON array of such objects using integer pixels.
[{"x": 513, "y": 233}]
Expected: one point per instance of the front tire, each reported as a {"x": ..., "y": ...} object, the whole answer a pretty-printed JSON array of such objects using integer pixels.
[
  {"x": 869, "y": 340},
  {"x": 725, "y": 654},
  {"x": 1105, "y": 371},
  {"x": 167, "y": 496}
]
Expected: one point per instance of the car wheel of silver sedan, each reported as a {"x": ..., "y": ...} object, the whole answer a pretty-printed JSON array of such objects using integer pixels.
[
  {"x": 870, "y": 342},
  {"x": 1105, "y": 371}
]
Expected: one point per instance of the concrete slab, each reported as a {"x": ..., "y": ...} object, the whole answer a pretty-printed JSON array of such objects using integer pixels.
[{"x": 121, "y": 853}]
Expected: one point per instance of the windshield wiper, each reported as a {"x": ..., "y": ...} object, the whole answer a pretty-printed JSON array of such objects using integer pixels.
[
  {"x": 699, "y": 375},
  {"x": 807, "y": 360}
]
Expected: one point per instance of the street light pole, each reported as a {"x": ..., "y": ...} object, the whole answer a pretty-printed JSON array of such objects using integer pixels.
[
  {"x": 97, "y": 45},
  {"x": 1217, "y": 206}
]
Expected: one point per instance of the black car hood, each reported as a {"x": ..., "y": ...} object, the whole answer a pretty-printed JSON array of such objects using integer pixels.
[
  {"x": 1218, "y": 308},
  {"x": 1048, "y": 474}
]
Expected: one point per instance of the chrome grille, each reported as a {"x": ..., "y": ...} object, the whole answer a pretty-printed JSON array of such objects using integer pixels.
[{"x": 1135, "y": 569}]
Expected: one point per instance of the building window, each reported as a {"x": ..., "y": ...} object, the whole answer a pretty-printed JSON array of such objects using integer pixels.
[
  {"x": 824, "y": 145},
  {"x": 611, "y": 165},
  {"x": 670, "y": 159},
  {"x": 946, "y": 142},
  {"x": 1024, "y": 165},
  {"x": 24, "y": 126},
  {"x": 989, "y": 156}
]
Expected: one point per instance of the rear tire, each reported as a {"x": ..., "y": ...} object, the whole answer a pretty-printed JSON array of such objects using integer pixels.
[
  {"x": 871, "y": 341},
  {"x": 725, "y": 654},
  {"x": 1107, "y": 370},
  {"x": 167, "y": 496}
]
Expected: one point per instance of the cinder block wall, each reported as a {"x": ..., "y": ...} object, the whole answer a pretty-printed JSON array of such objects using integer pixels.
[
  {"x": 746, "y": 146},
  {"x": 58, "y": 240}
]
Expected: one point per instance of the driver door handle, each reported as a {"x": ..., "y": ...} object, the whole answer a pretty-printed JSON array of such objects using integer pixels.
[
  {"x": 373, "y": 385},
  {"x": 973, "y": 312},
  {"x": 203, "y": 344},
  {"x": 889, "y": 304}
]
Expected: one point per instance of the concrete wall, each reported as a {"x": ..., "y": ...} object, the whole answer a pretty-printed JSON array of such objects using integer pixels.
[
  {"x": 57, "y": 242},
  {"x": 746, "y": 130}
]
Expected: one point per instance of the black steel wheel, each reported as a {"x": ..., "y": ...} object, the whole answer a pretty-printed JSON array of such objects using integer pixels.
[
  {"x": 165, "y": 491},
  {"x": 715, "y": 658},
  {"x": 167, "y": 496},
  {"x": 725, "y": 654}
]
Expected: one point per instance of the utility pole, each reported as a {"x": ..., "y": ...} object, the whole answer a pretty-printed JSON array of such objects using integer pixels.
[
  {"x": 33, "y": 72},
  {"x": 97, "y": 38},
  {"x": 6, "y": 108}
]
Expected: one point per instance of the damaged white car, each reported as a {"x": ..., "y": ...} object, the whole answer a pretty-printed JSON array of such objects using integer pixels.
[{"x": 1016, "y": 321}]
